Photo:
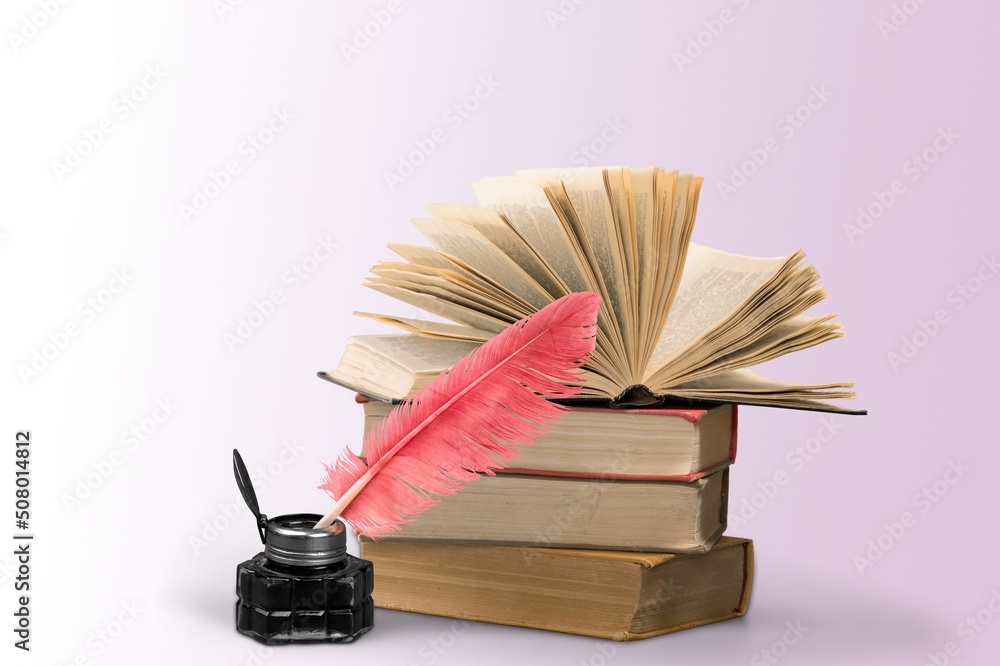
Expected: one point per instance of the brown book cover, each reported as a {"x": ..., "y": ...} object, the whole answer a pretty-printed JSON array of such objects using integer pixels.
[{"x": 607, "y": 594}]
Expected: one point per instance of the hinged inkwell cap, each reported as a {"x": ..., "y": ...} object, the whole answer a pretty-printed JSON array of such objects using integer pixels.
[
  {"x": 304, "y": 586},
  {"x": 291, "y": 539}
]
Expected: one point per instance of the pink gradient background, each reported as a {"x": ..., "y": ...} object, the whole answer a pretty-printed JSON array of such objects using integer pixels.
[{"x": 163, "y": 336}]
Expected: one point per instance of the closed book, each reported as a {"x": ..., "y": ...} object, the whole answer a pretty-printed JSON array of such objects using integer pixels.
[
  {"x": 649, "y": 443},
  {"x": 579, "y": 512},
  {"x": 607, "y": 594}
]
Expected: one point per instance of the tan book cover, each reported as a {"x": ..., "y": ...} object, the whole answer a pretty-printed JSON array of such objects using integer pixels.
[
  {"x": 607, "y": 594},
  {"x": 600, "y": 441},
  {"x": 576, "y": 512}
]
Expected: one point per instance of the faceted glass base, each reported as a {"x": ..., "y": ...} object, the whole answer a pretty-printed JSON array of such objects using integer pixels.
[{"x": 282, "y": 604}]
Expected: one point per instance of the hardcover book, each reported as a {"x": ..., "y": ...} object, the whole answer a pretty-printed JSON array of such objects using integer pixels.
[
  {"x": 677, "y": 320},
  {"x": 606, "y": 594},
  {"x": 594, "y": 441},
  {"x": 578, "y": 512}
]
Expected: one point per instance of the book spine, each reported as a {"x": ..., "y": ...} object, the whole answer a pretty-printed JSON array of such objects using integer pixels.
[{"x": 732, "y": 436}]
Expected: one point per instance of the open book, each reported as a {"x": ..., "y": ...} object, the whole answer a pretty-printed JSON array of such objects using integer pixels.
[{"x": 677, "y": 319}]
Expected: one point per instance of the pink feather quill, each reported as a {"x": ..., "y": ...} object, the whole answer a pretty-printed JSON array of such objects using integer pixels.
[{"x": 470, "y": 420}]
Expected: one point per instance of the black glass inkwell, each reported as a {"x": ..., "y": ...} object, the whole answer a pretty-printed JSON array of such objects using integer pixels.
[{"x": 304, "y": 587}]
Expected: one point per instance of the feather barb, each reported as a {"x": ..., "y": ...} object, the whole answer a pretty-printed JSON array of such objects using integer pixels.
[{"x": 471, "y": 420}]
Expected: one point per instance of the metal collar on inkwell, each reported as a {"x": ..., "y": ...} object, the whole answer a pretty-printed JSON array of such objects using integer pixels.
[{"x": 291, "y": 539}]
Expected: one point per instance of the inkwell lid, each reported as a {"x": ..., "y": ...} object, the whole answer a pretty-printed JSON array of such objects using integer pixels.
[{"x": 291, "y": 539}]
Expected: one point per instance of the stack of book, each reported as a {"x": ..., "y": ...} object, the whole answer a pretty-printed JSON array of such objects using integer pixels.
[
  {"x": 612, "y": 524},
  {"x": 575, "y": 538}
]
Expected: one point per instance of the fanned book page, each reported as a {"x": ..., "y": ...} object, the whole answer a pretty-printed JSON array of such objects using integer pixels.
[{"x": 677, "y": 320}]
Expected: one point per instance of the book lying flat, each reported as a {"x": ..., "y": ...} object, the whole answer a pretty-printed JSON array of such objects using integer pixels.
[
  {"x": 575, "y": 512},
  {"x": 606, "y": 594},
  {"x": 677, "y": 320},
  {"x": 649, "y": 443}
]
